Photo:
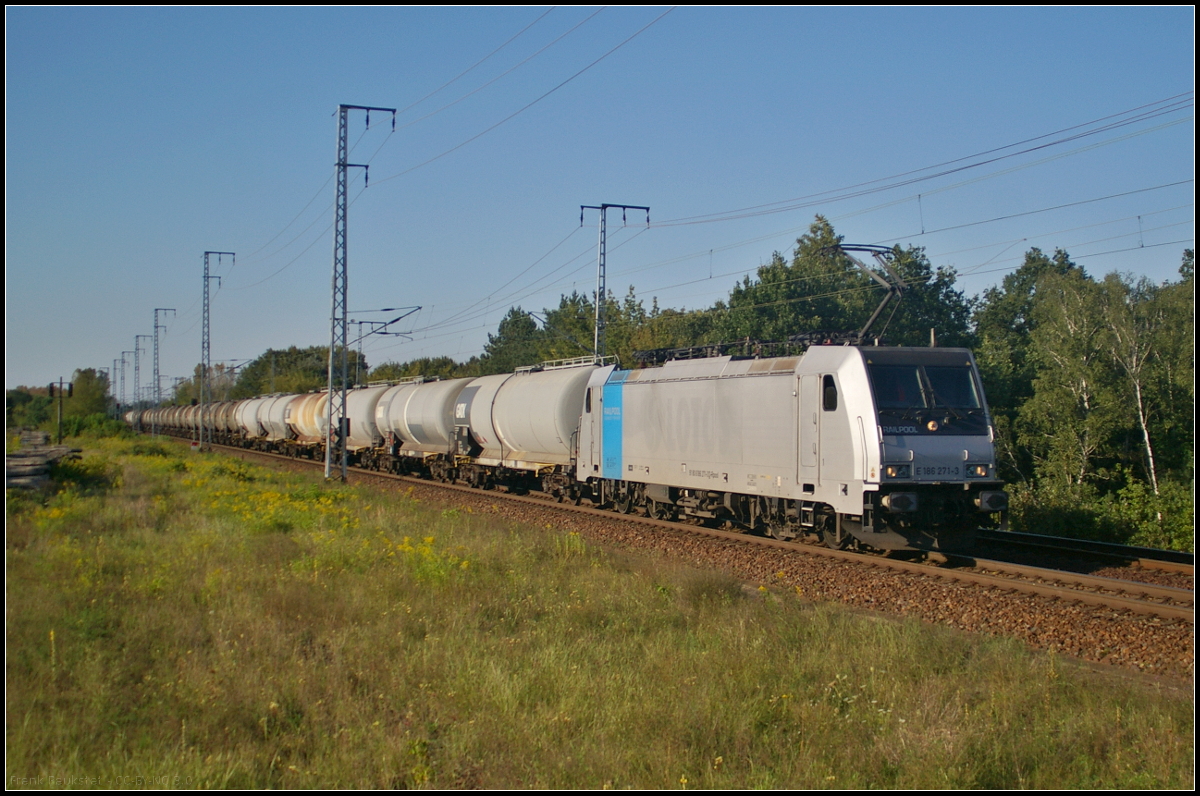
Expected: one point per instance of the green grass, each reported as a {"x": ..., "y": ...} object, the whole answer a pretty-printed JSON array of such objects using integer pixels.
[{"x": 189, "y": 620}]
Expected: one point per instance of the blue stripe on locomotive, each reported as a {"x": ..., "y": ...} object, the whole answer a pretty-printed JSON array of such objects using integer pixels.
[{"x": 613, "y": 430}]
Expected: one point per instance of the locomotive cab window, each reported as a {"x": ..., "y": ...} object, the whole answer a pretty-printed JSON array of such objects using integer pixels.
[
  {"x": 928, "y": 397},
  {"x": 587, "y": 403},
  {"x": 952, "y": 387},
  {"x": 829, "y": 394}
]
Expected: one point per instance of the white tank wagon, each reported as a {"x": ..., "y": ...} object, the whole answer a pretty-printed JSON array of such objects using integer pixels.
[
  {"x": 416, "y": 419},
  {"x": 172, "y": 418},
  {"x": 521, "y": 425},
  {"x": 420, "y": 416},
  {"x": 189, "y": 419},
  {"x": 248, "y": 418},
  {"x": 305, "y": 417},
  {"x": 226, "y": 414},
  {"x": 272, "y": 416},
  {"x": 891, "y": 447},
  {"x": 360, "y": 412}
]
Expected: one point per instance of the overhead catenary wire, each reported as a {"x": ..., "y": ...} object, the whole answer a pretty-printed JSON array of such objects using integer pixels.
[
  {"x": 1173, "y": 103},
  {"x": 459, "y": 146},
  {"x": 440, "y": 88},
  {"x": 1157, "y": 108},
  {"x": 533, "y": 289},
  {"x": 504, "y": 73},
  {"x": 529, "y": 105},
  {"x": 478, "y": 63}
]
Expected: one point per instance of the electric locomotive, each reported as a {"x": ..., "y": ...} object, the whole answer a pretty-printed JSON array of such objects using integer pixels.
[{"x": 891, "y": 448}]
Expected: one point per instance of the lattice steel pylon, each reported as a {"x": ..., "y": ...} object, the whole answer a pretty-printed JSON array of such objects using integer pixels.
[
  {"x": 157, "y": 381},
  {"x": 601, "y": 265},
  {"x": 137, "y": 375},
  {"x": 205, "y": 358},
  {"x": 124, "y": 363},
  {"x": 337, "y": 428}
]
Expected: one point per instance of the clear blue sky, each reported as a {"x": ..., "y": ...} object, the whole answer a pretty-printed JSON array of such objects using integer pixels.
[{"x": 138, "y": 138}]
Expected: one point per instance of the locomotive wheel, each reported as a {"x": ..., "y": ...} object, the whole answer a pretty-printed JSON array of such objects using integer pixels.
[
  {"x": 782, "y": 532},
  {"x": 827, "y": 523},
  {"x": 623, "y": 504},
  {"x": 658, "y": 511}
]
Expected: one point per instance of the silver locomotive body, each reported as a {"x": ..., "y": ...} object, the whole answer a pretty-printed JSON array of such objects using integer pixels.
[{"x": 889, "y": 447}]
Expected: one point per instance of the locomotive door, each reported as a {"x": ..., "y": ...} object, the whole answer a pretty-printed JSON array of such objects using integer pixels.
[
  {"x": 588, "y": 451},
  {"x": 810, "y": 434},
  {"x": 593, "y": 412}
]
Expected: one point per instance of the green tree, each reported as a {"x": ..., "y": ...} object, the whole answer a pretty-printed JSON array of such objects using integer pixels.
[
  {"x": 1074, "y": 411},
  {"x": 445, "y": 367},
  {"x": 1173, "y": 375},
  {"x": 291, "y": 370},
  {"x": 672, "y": 328},
  {"x": 517, "y": 343},
  {"x": 819, "y": 290},
  {"x": 27, "y": 407},
  {"x": 89, "y": 394},
  {"x": 568, "y": 328},
  {"x": 1004, "y": 321},
  {"x": 822, "y": 289}
]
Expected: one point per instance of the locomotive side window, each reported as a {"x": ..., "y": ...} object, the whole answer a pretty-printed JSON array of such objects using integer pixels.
[{"x": 829, "y": 395}]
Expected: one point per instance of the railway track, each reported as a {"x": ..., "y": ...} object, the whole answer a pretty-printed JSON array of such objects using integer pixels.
[
  {"x": 998, "y": 577},
  {"x": 1173, "y": 561}
]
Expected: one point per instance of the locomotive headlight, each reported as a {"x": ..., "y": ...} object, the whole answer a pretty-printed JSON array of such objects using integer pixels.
[
  {"x": 897, "y": 471},
  {"x": 977, "y": 471},
  {"x": 932, "y": 425}
]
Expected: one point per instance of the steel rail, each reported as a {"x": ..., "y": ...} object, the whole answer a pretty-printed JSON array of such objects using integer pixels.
[{"x": 1145, "y": 557}]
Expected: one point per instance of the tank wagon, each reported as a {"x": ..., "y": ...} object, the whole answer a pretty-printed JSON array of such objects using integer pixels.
[{"x": 881, "y": 447}]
